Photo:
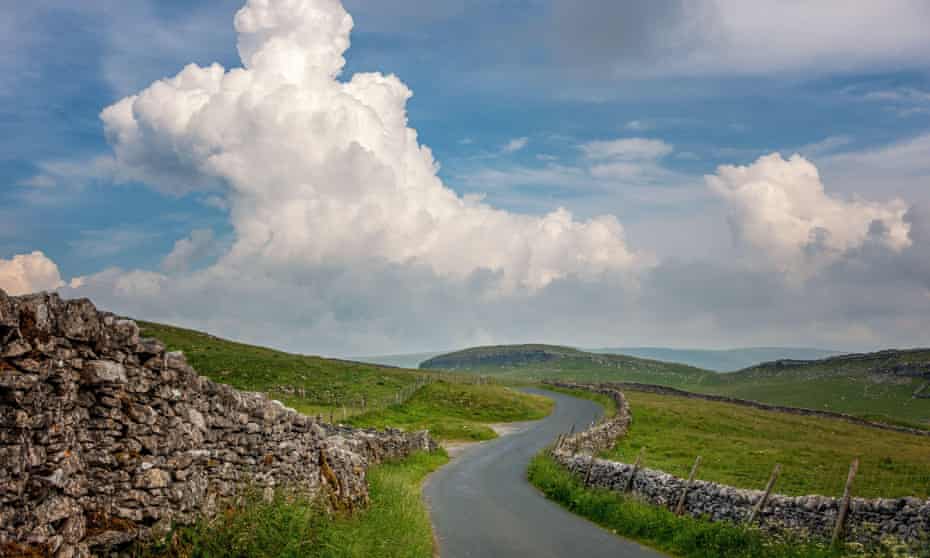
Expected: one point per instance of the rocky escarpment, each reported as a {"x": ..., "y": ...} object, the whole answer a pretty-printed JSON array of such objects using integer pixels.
[
  {"x": 912, "y": 363},
  {"x": 106, "y": 437},
  {"x": 872, "y": 522}
]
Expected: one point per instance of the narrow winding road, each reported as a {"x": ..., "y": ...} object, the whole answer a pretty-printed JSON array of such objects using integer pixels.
[{"x": 483, "y": 506}]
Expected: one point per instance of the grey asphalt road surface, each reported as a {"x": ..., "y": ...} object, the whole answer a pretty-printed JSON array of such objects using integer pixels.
[{"x": 483, "y": 506}]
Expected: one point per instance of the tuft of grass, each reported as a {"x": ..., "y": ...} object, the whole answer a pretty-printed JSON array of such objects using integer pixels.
[
  {"x": 740, "y": 445},
  {"x": 659, "y": 528},
  {"x": 458, "y": 411},
  {"x": 395, "y": 525}
]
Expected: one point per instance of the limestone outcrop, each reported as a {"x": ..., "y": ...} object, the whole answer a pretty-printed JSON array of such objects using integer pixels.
[{"x": 106, "y": 437}]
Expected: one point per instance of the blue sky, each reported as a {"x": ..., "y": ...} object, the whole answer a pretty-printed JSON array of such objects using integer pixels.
[{"x": 509, "y": 96}]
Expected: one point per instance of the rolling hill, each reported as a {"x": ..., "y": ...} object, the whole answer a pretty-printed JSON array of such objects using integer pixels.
[
  {"x": 540, "y": 362},
  {"x": 723, "y": 360},
  {"x": 891, "y": 385}
]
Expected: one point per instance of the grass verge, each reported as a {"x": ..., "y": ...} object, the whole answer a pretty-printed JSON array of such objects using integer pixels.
[
  {"x": 659, "y": 528},
  {"x": 610, "y": 407},
  {"x": 740, "y": 445},
  {"x": 458, "y": 411},
  {"x": 395, "y": 525}
]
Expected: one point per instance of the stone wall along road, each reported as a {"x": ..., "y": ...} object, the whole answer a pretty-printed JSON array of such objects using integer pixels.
[
  {"x": 106, "y": 437},
  {"x": 871, "y": 521}
]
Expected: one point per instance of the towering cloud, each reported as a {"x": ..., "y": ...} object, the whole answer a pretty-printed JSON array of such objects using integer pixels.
[
  {"x": 27, "y": 273},
  {"x": 780, "y": 208},
  {"x": 323, "y": 171}
]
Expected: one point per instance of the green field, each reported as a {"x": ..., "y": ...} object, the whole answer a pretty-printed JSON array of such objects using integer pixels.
[
  {"x": 451, "y": 406},
  {"x": 395, "y": 525},
  {"x": 831, "y": 385},
  {"x": 740, "y": 445},
  {"x": 458, "y": 411},
  {"x": 868, "y": 385}
]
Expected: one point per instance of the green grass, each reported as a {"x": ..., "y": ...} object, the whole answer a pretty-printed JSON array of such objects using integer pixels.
[
  {"x": 837, "y": 391},
  {"x": 395, "y": 525},
  {"x": 657, "y": 527},
  {"x": 740, "y": 445},
  {"x": 839, "y": 384},
  {"x": 452, "y": 407},
  {"x": 320, "y": 385},
  {"x": 610, "y": 407},
  {"x": 535, "y": 363},
  {"x": 458, "y": 411}
]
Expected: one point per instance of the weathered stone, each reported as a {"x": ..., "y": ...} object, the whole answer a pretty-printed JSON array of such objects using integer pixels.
[
  {"x": 13, "y": 379},
  {"x": 56, "y": 508},
  {"x": 14, "y": 349},
  {"x": 103, "y": 372},
  {"x": 197, "y": 419}
]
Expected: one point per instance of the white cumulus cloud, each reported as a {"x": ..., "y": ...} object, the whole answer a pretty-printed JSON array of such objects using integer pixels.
[
  {"x": 29, "y": 273},
  {"x": 780, "y": 208},
  {"x": 187, "y": 251},
  {"x": 318, "y": 169}
]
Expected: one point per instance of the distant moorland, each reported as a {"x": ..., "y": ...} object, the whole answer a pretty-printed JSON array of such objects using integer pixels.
[{"x": 886, "y": 385}]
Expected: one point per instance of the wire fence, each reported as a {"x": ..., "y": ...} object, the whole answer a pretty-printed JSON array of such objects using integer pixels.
[
  {"x": 334, "y": 407},
  {"x": 877, "y": 477}
]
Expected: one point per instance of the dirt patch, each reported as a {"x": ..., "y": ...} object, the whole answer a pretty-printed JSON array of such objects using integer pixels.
[{"x": 455, "y": 448}]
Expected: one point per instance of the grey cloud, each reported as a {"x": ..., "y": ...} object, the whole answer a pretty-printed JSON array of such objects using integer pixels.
[
  {"x": 871, "y": 297},
  {"x": 612, "y": 31}
]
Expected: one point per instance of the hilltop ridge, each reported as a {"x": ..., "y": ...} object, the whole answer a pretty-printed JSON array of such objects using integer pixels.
[{"x": 888, "y": 385}]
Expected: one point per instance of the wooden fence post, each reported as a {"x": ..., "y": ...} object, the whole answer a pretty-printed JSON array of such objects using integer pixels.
[
  {"x": 760, "y": 505},
  {"x": 844, "y": 504},
  {"x": 680, "y": 509},
  {"x": 636, "y": 465},
  {"x": 588, "y": 474}
]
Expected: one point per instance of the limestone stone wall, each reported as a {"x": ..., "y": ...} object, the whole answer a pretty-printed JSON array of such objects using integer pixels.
[
  {"x": 602, "y": 435},
  {"x": 106, "y": 437},
  {"x": 871, "y": 522}
]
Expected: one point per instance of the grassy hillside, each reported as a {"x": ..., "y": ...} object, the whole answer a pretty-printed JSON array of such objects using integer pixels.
[
  {"x": 450, "y": 406},
  {"x": 877, "y": 385},
  {"x": 740, "y": 445},
  {"x": 725, "y": 360},
  {"x": 309, "y": 383},
  {"x": 458, "y": 411},
  {"x": 540, "y": 362}
]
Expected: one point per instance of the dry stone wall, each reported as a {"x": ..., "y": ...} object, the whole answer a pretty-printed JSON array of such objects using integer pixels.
[
  {"x": 106, "y": 437},
  {"x": 871, "y": 522}
]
